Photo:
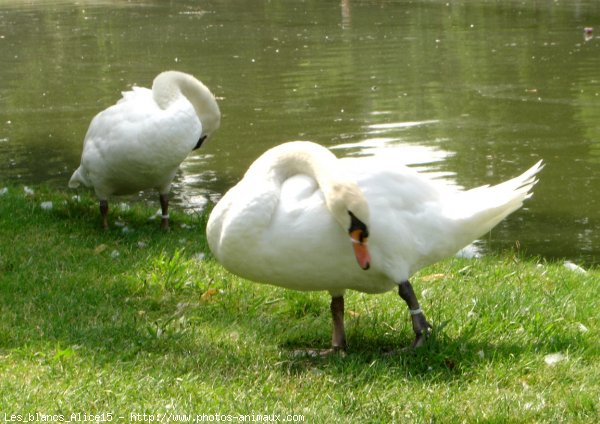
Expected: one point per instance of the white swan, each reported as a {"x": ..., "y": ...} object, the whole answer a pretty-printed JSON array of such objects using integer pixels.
[
  {"x": 288, "y": 220},
  {"x": 139, "y": 142}
]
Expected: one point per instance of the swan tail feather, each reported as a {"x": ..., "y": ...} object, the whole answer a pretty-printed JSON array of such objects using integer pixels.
[
  {"x": 482, "y": 208},
  {"x": 78, "y": 178}
]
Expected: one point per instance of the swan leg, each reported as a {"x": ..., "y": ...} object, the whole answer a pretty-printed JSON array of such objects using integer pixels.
[
  {"x": 104, "y": 213},
  {"x": 420, "y": 325},
  {"x": 164, "y": 206},
  {"x": 338, "y": 339}
]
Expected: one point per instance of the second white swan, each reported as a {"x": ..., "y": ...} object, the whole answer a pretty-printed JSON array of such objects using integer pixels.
[{"x": 139, "y": 142}]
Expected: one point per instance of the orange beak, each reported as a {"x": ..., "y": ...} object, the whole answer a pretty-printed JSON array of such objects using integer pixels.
[{"x": 359, "y": 243}]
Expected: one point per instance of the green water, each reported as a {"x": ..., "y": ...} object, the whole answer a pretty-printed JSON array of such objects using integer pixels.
[{"x": 476, "y": 90}]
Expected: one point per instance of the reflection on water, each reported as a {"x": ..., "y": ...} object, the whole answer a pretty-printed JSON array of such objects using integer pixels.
[
  {"x": 385, "y": 141},
  {"x": 474, "y": 91}
]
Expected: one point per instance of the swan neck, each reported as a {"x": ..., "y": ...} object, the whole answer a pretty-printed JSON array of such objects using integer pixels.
[
  {"x": 341, "y": 193},
  {"x": 169, "y": 86},
  {"x": 319, "y": 165}
]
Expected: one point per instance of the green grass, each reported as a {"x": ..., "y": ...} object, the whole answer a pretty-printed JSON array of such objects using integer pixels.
[{"x": 143, "y": 321}]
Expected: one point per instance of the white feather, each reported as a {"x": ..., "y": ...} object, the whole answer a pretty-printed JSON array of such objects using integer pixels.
[{"x": 275, "y": 225}]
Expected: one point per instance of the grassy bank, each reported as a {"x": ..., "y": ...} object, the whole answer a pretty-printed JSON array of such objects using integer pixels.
[{"x": 135, "y": 320}]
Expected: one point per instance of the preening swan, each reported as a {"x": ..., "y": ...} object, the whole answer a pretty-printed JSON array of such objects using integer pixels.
[
  {"x": 302, "y": 219},
  {"x": 139, "y": 142}
]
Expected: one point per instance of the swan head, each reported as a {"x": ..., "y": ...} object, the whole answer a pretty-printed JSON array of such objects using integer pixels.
[
  {"x": 349, "y": 207},
  {"x": 359, "y": 234},
  {"x": 210, "y": 116}
]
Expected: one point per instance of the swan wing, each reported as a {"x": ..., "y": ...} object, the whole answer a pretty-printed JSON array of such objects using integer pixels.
[
  {"x": 417, "y": 220},
  {"x": 285, "y": 235},
  {"x": 134, "y": 144}
]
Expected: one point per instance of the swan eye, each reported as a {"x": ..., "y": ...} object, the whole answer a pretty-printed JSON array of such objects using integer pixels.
[
  {"x": 357, "y": 225},
  {"x": 200, "y": 141}
]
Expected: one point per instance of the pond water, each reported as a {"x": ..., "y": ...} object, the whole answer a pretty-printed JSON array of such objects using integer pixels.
[{"x": 476, "y": 91}]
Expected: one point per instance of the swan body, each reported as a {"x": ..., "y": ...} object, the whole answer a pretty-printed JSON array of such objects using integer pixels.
[
  {"x": 140, "y": 142},
  {"x": 288, "y": 221}
]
